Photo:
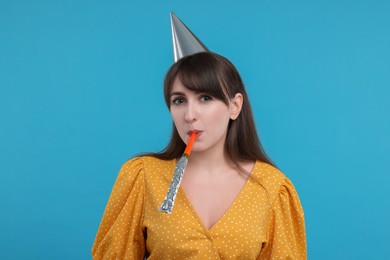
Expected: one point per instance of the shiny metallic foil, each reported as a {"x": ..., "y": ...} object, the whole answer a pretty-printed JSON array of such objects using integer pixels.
[{"x": 169, "y": 200}]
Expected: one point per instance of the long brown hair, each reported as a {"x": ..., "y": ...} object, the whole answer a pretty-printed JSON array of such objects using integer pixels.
[{"x": 210, "y": 73}]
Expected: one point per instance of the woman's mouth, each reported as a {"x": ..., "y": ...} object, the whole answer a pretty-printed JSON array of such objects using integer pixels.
[{"x": 194, "y": 131}]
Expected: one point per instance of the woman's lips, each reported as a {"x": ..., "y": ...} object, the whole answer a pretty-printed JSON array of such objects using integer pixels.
[{"x": 194, "y": 131}]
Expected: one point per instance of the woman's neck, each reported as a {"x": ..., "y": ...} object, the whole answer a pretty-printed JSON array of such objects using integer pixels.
[{"x": 210, "y": 162}]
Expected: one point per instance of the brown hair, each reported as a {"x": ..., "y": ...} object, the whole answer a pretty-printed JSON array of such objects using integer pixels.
[{"x": 210, "y": 73}]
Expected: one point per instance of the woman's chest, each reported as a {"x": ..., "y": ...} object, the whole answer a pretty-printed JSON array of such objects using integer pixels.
[{"x": 240, "y": 231}]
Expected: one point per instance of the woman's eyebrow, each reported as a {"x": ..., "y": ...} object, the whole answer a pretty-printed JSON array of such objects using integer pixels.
[{"x": 177, "y": 93}]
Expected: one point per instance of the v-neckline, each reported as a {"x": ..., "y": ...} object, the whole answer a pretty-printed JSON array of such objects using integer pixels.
[{"x": 227, "y": 212}]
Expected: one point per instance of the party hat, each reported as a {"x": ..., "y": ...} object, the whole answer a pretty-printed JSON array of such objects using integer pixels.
[{"x": 184, "y": 41}]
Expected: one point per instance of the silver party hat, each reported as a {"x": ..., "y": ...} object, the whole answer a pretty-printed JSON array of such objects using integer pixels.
[{"x": 184, "y": 41}]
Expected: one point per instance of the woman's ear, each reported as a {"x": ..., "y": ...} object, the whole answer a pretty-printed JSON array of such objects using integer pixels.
[{"x": 235, "y": 106}]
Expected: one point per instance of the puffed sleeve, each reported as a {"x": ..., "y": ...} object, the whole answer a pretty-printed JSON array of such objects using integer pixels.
[
  {"x": 120, "y": 234},
  {"x": 287, "y": 236}
]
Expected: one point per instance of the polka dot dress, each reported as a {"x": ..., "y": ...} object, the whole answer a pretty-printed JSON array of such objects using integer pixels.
[{"x": 265, "y": 221}]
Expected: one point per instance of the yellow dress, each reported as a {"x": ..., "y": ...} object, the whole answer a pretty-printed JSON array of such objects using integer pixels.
[{"x": 264, "y": 222}]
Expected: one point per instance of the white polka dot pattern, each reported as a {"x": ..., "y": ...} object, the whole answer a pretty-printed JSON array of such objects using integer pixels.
[{"x": 264, "y": 222}]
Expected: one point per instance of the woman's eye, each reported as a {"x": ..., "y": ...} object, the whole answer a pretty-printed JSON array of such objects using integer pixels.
[
  {"x": 178, "y": 101},
  {"x": 205, "y": 98}
]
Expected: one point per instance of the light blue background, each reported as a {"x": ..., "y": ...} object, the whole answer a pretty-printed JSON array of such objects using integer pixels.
[{"x": 81, "y": 92}]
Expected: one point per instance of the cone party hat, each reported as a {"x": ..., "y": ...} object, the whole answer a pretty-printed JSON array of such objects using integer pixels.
[{"x": 184, "y": 41}]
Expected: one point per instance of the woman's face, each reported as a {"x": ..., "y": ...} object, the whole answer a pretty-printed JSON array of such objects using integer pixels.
[{"x": 202, "y": 113}]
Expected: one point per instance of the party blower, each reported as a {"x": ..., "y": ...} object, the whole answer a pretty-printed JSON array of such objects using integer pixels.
[{"x": 181, "y": 165}]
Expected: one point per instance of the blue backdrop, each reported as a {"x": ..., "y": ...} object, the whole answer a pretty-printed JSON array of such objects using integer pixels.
[{"x": 81, "y": 92}]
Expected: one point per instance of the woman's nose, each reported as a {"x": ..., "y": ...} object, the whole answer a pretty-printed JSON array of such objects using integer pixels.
[{"x": 191, "y": 114}]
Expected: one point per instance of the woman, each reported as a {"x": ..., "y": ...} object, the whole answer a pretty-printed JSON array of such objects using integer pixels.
[{"x": 232, "y": 203}]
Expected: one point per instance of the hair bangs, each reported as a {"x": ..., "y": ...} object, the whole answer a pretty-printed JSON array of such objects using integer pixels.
[{"x": 202, "y": 76}]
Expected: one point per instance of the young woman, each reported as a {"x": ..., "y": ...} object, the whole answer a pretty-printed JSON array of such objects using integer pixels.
[{"x": 233, "y": 202}]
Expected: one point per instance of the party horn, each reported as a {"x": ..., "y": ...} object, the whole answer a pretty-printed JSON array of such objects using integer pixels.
[{"x": 181, "y": 165}]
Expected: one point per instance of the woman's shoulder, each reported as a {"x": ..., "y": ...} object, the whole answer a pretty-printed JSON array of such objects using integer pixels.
[
  {"x": 271, "y": 178},
  {"x": 146, "y": 164},
  {"x": 266, "y": 171}
]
